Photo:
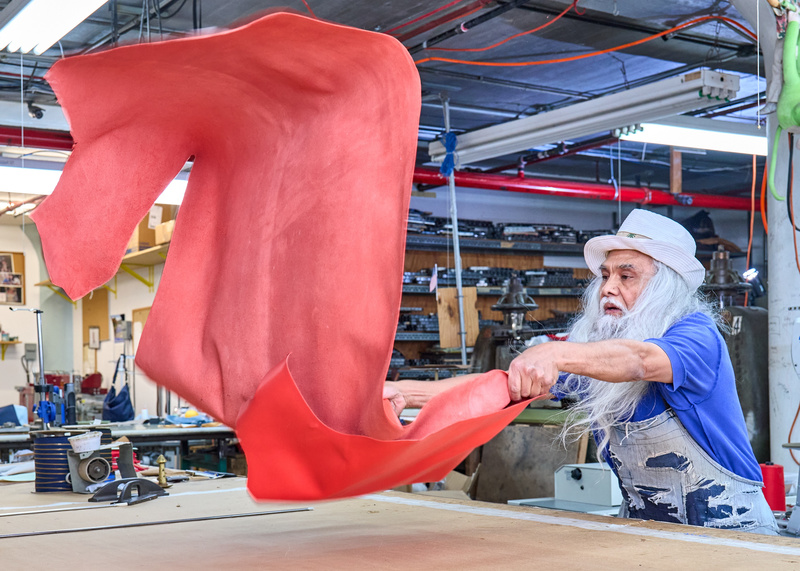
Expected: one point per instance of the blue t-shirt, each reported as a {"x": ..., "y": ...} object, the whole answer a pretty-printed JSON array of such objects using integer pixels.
[{"x": 703, "y": 394}]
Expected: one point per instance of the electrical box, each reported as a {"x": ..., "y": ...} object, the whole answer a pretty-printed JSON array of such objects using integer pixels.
[
  {"x": 592, "y": 483},
  {"x": 30, "y": 352}
]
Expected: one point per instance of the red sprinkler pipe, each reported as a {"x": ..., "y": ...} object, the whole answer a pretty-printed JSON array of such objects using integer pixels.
[
  {"x": 61, "y": 140},
  {"x": 36, "y": 138},
  {"x": 587, "y": 190}
]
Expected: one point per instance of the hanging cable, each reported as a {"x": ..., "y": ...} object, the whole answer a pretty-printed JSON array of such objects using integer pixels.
[
  {"x": 310, "y": 11},
  {"x": 157, "y": 9},
  {"x": 672, "y": 30},
  {"x": 22, "y": 104},
  {"x": 752, "y": 219},
  {"x": 508, "y": 39},
  {"x": 417, "y": 19},
  {"x": 789, "y": 202},
  {"x": 764, "y": 200},
  {"x": 619, "y": 176},
  {"x": 197, "y": 14},
  {"x": 758, "y": 65},
  {"x": 790, "y": 185}
]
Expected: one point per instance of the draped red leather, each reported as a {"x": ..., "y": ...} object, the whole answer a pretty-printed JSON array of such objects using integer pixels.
[{"x": 290, "y": 240}]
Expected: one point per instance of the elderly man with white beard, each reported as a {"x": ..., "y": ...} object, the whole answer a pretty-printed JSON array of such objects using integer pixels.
[{"x": 653, "y": 382}]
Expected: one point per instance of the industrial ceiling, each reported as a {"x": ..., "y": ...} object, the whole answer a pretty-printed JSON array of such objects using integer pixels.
[{"x": 481, "y": 95}]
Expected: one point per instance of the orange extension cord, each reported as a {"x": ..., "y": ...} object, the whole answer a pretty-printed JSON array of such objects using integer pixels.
[
  {"x": 592, "y": 54},
  {"x": 509, "y": 38}
]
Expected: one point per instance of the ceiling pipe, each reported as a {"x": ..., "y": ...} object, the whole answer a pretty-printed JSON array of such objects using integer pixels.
[
  {"x": 447, "y": 17},
  {"x": 35, "y": 138},
  {"x": 464, "y": 27},
  {"x": 57, "y": 140},
  {"x": 588, "y": 190},
  {"x": 16, "y": 205}
]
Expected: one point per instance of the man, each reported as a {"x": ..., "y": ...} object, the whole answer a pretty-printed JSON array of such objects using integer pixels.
[{"x": 654, "y": 381}]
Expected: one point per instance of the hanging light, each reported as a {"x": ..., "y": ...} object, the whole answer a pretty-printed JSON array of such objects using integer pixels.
[{"x": 35, "y": 25}]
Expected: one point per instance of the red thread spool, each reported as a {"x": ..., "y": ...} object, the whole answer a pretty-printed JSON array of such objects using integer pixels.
[{"x": 774, "y": 487}]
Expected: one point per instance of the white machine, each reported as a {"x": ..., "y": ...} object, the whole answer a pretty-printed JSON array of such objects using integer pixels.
[{"x": 588, "y": 488}]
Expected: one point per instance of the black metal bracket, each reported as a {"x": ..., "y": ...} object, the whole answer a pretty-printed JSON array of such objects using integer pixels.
[{"x": 128, "y": 491}]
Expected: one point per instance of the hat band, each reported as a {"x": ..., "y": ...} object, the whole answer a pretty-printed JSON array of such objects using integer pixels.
[{"x": 622, "y": 234}]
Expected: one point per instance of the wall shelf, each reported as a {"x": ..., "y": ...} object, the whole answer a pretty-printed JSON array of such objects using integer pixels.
[
  {"x": 435, "y": 242},
  {"x": 498, "y": 291},
  {"x": 416, "y": 336},
  {"x": 4, "y": 345},
  {"x": 132, "y": 264},
  {"x": 149, "y": 257}
]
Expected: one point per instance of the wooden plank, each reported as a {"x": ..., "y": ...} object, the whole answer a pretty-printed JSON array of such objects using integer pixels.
[
  {"x": 675, "y": 171},
  {"x": 138, "y": 316},
  {"x": 417, "y": 260},
  {"x": 426, "y": 301},
  {"x": 95, "y": 314},
  {"x": 583, "y": 447},
  {"x": 449, "y": 325},
  {"x": 545, "y": 310}
]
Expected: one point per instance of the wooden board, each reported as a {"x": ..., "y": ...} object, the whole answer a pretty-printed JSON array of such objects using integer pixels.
[
  {"x": 138, "y": 316},
  {"x": 95, "y": 314},
  {"x": 545, "y": 310},
  {"x": 417, "y": 260},
  {"x": 380, "y": 531},
  {"x": 449, "y": 324}
]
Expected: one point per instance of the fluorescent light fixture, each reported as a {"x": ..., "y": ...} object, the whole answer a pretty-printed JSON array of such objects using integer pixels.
[
  {"x": 35, "y": 25},
  {"x": 645, "y": 104},
  {"x": 43, "y": 181},
  {"x": 708, "y": 134}
]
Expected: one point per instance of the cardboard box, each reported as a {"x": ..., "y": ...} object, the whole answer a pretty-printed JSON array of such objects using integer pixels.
[
  {"x": 144, "y": 235},
  {"x": 164, "y": 232}
]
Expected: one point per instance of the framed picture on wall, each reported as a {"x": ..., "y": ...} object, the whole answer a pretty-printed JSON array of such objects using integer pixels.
[
  {"x": 94, "y": 337},
  {"x": 12, "y": 278},
  {"x": 9, "y": 278},
  {"x": 6, "y": 262},
  {"x": 11, "y": 295}
]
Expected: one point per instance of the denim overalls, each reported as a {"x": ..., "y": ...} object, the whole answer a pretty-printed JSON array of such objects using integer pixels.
[{"x": 666, "y": 476}]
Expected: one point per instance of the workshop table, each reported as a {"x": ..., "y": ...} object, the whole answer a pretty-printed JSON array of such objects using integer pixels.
[
  {"x": 180, "y": 437},
  {"x": 387, "y": 530},
  {"x": 16, "y": 438}
]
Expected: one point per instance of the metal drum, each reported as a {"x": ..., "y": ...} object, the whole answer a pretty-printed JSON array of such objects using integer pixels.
[{"x": 50, "y": 461}]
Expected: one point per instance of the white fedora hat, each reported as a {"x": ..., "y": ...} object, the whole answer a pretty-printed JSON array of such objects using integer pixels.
[{"x": 657, "y": 236}]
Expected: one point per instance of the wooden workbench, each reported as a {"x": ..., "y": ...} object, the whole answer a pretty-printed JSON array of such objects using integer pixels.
[{"x": 386, "y": 531}]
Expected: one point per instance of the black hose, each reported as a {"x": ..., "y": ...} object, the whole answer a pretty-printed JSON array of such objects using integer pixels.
[{"x": 790, "y": 183}]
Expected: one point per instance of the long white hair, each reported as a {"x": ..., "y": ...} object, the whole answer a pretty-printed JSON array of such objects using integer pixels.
[{"x": 665, "y": 300}]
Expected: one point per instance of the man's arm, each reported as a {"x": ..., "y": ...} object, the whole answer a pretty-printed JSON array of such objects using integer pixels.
[
  {"x": 616, "y": 361},
  {"x": 416, "y": 394}
]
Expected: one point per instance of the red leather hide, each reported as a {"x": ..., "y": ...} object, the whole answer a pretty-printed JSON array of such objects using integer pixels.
[{"x": 290, "y": 241}]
